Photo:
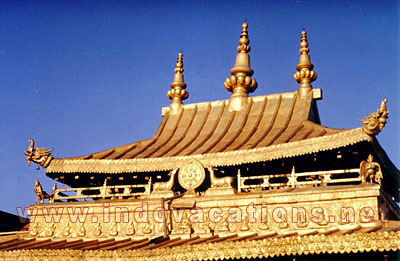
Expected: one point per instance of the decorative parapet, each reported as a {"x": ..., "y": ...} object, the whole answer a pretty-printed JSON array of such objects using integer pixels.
[
  {"x": 38, "y": 155},
  {"x": 302, "y": 179},
  {"x": 103, "y": 192},
  {"x": 374, "y": 123},
  {"x": 319, "y": 208}
]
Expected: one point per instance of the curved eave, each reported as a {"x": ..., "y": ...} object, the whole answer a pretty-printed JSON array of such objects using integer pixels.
[
  {"x": 351, "y": 240},
  {"x": 231, "y": 158}
]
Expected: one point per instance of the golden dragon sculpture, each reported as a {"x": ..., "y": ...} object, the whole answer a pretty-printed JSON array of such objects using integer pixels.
[
  {"x": 374, "y": 123},
  {"x": 38, "y": 155}
]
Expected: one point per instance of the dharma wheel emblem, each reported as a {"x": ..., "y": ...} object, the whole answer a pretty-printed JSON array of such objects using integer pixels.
[{"x": 191, "y": 176}]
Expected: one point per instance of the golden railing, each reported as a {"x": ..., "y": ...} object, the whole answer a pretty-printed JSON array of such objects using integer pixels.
[
  {"x": 103, "y": 192},
  {"x": 244, "y": 184},
  {"x": 294, "y": 179}
]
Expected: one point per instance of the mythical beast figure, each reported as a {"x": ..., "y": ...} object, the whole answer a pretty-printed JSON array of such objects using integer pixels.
[
  {"x": 374, "y": 123},
  {"x": 38, "y": 155},
  {"x": 41, "y": 195},
  {"x": 370, "y": 170}
]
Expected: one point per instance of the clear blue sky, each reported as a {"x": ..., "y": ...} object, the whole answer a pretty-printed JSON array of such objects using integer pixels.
[{"x": 83, "y": 76}]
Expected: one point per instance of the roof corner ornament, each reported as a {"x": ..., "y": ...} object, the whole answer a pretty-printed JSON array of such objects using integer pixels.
[
  {"x": 374, "y": 123},
  {"x": 240, "y": 83},
  {"x": 178, "y": 86},
  {"x": 41, "y": 195},
  {"x": 38, "y": 155},
  {"x": 305, "y": 74},
  {"x": 370, "y": 170}
]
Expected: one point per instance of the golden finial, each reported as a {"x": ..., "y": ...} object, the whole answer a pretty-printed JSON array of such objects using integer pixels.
[
  {"x": 305, "y": 74},
  {"x": 178, "y": 86},
  {"x": 244, "y": 40},
  {"x": 240, "y": 83}
]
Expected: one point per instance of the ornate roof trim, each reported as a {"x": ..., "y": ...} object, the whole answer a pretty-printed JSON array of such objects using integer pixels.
[
  {"x": 268, "y": 247},
  {"x": 231, "y": 158}
]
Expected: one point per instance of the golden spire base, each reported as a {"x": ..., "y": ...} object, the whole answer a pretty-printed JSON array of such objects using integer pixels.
[
  {"x": 240, "y": 83},
  {"x": 305, "y": 74},
  {"x": 238, "y": 100},
  {"x": 178, "y": 86}
]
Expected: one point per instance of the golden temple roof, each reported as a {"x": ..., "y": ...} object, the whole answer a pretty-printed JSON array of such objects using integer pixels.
[
  {"x": 267, "y": 128},
  {"x": 196, "y": 137},
  {"x": 210, "y": 127},
  {"x": 228, "y": 132}
]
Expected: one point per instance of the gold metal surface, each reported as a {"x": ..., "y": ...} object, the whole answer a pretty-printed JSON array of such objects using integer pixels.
[
  {"x": 374, "y": 123},
  {"x": 208, "y": 130},
  {"x": 302, "y": 179},
  {"x": 240, "y": 83},
  {"x": 192, "y": 175},
  {"x": 258, "y": 237},
  {"x": 178, "y": 86},
  {"x": 305, "y": 74},
  {"x": 266, "y": 247},
  {"x": 113, "y": 191},
  {"x": 269, "y": 127},
  {"x": 230, "y": 158},
  {"x": 107, "y": 218}
]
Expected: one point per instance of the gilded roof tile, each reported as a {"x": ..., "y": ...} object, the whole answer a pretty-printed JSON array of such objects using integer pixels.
[
  {"x": 357, "y": 239},
  {"x": 278, "y": 125}
]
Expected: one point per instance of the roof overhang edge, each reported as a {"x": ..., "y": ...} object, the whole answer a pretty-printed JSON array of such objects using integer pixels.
[{"x": 231, "y": 158}]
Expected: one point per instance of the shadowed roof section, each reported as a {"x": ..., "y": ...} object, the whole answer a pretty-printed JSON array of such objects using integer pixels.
[{"x": 210, "y": 128}]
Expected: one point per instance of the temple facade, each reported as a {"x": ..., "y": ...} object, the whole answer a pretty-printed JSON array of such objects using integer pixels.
[{"x": 248, "y": 177}]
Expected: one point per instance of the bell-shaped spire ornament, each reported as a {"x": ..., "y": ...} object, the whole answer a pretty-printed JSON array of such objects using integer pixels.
[
  {"x": 240, "y": 83},
  {"x": 305, "y": 74},
  {"x": 178, "y": 86}
]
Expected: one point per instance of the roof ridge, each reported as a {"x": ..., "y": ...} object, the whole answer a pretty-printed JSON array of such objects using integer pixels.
[{"x": 316, "y": 94}]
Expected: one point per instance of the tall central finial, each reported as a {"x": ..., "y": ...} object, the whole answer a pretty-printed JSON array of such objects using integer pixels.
[
  {"x": 240, "y": 83},
  {"x": 305, "y": 74},
  {"x": 244, "y": 40},
  {"x": 177, "y": 92}
]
